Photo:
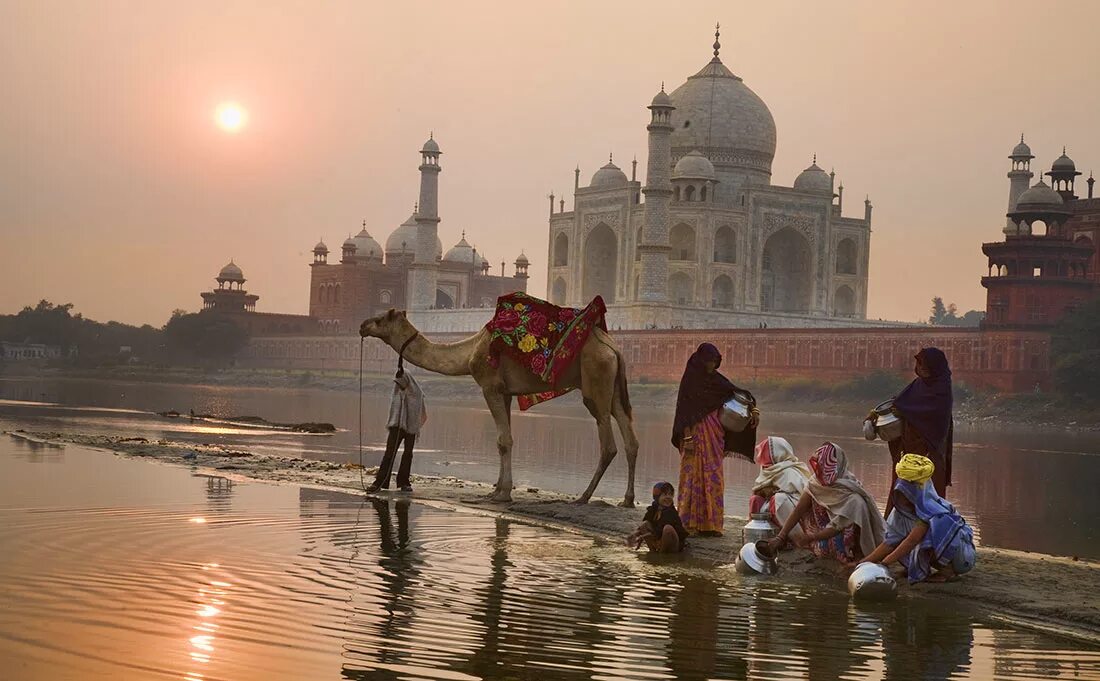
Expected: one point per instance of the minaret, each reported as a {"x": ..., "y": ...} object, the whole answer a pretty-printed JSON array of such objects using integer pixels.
[
  {"x": 1019, "y": 179},
  {"x": 424, "y": 270},
  {"x": 654, "y": 249}
]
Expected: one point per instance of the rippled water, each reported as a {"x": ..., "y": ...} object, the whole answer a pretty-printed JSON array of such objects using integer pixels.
[
  {"x": 122, "y": 569},
  {"x": 1020, "y": 488}
]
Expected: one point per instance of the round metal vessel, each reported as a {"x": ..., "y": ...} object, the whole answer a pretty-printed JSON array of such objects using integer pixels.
[
  {"x": 758, "y": 528},
  {"x": 888, "y": 426},
  {"x": 735, "y": 413},
  {"x": 750, "y": 561},
  {"x": 872, "y": 582}
]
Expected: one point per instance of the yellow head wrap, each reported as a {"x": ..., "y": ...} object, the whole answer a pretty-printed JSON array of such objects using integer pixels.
[{"x": 915, "y": 468}]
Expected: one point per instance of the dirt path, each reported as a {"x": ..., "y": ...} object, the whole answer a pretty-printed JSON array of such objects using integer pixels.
[{"x": 1057, "y": 595}]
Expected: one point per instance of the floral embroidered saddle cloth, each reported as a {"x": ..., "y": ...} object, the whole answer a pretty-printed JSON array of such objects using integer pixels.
[{"x": 544, "y": 338}]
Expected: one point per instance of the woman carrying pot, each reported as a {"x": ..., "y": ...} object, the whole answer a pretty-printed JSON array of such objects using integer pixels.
[
  {"x": 925, "y": 409},
  {"x": 702, "y": 441}
]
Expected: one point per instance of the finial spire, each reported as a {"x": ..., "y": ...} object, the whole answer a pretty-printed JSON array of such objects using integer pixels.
[
  {"x": 717, "y": 45},
  {"x": 416, "y": 206},
  {"x": 662, "y": 86},
  {"x": 463, "y": 235},
  {"x": 364, "y": 223},
  {"x": 815, "y": 158},
  {"x": 610, "y": 157},
  {"x": 431, "y": 134},
  {"x": 1021, "y": 138}
]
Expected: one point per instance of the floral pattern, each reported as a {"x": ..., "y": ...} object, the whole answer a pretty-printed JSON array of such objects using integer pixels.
[
  {"x": 541, "y": 336},
  {"x": 701, "y": 494}
]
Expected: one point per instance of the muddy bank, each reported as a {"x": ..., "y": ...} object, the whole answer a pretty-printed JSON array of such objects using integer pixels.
[{"x": 1051, "y": 593}]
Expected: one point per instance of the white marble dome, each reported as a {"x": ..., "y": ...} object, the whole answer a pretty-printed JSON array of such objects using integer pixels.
[
  {"x": 1022, "y": 149},
  {"x": 406, "y": 234},
  {"x": 431, "y": 146},
  {"x": 715, "y": 110},
  {"x": 366, "y": 246},
  {"x": 320, "y": 247},
  {"x": 461, "y": 252},
  {"x": 1039, "y": 195},
  {"x": 693, "y": 166},
  {"x": 609, "y": 175},
  {"x": 814, "y": 180},
  {"x": 231, "y": 272},
  {"x": 661, "y": 99}
]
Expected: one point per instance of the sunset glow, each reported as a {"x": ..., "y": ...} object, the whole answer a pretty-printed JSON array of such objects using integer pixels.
[{"x": 231, "y": 117}]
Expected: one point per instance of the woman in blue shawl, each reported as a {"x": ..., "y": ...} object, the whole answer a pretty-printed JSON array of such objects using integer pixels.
[
  {"x": 925, "y": 408},
  {"x": 924, "y": 532}
]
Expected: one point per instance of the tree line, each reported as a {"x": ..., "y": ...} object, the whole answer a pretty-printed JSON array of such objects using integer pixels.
[{"x": 186, "y": 338}]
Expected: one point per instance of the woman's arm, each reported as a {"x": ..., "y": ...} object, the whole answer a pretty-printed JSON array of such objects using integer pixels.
[
  {"x": 807, "y": 539},
  {"x": 800, "y": 509},
  {"x": 912, "y": 539},
  {"x": 880, "y": 552}
]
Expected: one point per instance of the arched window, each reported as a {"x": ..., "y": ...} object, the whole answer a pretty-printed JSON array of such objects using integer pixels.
[
  {"x": 725, "y": 245},
  {"x": 336, "y": 293},
  {"x": 557, "y": 292},
  {"x": 844, "y": 302},
  {"x": 676, "y": 196},
  {"x": 846, "y": 257},
  {"x": 384, "y": 297},
  {"x": 681, "y": 289},
  {"x": 682, "y": 241},
  {"x": 689, "y": 193},
  {"x": 1038, "y": 228},
  {"x": 722, "y": 292},
  {"x": 703, "y": 193},
  {"x": 561, "y": 250},
  {"x": 637, "y": 246}
]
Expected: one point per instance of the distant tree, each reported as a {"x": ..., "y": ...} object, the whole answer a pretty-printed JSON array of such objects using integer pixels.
[
  {"x": 203, "y": 336},
  {"x": 1075, "y": 344},
  {"x": 972, "y": 318},
  {"x": 96, "y": 343},
  {"x": 939, "y": 311}
]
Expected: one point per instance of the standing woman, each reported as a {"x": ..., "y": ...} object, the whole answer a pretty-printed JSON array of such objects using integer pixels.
[
  {"x": 925, "y": 408},
  {"x": 703, "y": 442}
]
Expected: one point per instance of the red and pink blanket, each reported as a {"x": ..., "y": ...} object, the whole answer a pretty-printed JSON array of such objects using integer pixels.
[{"x": 544, "y": 338}]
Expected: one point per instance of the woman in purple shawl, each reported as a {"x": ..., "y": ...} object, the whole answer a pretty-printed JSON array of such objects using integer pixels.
[
  {"x": 702, "y": 441},
  {"x": 925, "y": 408}
]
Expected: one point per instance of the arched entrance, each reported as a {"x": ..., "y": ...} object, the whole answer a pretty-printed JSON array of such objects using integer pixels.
[
  {"x": 601, "y": 255},
  {"x": 722, "y": 292},
  {"x": 557, "y": 293},
  {"x": 681, "y": 289},
  {"x": 443, "y": 301},
  {"x": 844, "y": 302},
  {"x": 785, "y": 273}
]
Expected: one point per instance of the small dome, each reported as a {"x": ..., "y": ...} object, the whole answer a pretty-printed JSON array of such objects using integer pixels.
[
  {"x": 485, "y": 264},
  {"x": 320, "y": 247},
  {"x": 693, "y": 166},
  {"x": 366, "y": 246},
  {"x": 1021, "y": 149},
  {"x": 1063, "y": 163},
  {"x": 461, "y": 252},
  {"x": 403, "y": 239},
  {"x": 522, "y": 259},
  {"x": 609, "y": 176},
  {"x": 661, "y": 99},
  {"x": 231, "y": 272},
  {"x": 431, "y": 146},
  {"x": 1038, "y": 196},
  {"x": 815, "y": 180}
]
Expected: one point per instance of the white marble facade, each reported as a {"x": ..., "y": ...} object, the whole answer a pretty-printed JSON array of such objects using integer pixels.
[{"x": 720, "y": 237}]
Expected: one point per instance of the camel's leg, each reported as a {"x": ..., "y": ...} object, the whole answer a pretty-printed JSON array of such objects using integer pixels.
[
  {"x": 602, "y": 414},
  {"x": 499, "y": 407},
  {"x": 630, "y": 444}
]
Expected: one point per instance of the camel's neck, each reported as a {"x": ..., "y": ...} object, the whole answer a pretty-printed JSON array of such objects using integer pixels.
[{"x": 449, "y": 359}]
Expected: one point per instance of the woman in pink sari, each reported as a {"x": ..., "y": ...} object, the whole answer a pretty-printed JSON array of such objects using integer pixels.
[{"x": 703, "y": 442}]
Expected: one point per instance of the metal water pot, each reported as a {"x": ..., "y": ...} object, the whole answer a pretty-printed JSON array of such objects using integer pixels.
[
  {"x": 759, "y": 528},
  {"x": 872, "y": 582},
  {"x": 753, "y": 559},
  {"x": 735, "y": 413},
  {"x": 888, "y": 426}
]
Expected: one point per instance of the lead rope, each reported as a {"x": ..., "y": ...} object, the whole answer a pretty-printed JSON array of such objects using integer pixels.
[{"x": 362, "y": 340}]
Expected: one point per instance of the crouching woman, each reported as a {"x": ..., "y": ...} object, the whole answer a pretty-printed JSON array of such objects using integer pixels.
[
  {"x": 924, "y": 533},
  {"x": 838, "y": 517}
]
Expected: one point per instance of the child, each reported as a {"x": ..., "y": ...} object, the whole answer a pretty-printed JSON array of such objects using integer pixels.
[{"x": 661, "y": 528}]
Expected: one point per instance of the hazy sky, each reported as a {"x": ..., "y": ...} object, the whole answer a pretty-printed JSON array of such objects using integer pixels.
[{"x": 120, "y": 194}]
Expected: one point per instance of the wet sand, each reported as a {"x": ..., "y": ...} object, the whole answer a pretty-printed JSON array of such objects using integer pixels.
[{"x": 1057, "y": 595}]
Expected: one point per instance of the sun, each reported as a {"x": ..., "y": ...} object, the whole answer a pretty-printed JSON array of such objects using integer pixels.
[{"x": 231, "y": 117}]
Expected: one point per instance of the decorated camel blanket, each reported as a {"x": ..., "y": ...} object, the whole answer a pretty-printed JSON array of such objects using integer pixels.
[{"x": 542, "y": 337}]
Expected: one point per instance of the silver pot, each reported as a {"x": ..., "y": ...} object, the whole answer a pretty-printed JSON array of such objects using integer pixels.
[
  {"x": 735, "y": 413},
  {"x": 888, "y": 426},
  {"x": 752, "y": 561},
  {"x": 872, "y": 582},
  {"x": 758, "y": 528}
]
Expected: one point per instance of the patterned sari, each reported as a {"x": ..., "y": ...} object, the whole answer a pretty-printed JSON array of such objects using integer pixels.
[{"x": 700, "y": 496}]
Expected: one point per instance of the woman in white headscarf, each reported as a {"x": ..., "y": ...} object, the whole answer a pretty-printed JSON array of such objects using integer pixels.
[
  {"x": 782, "y": 479},
  {"x": 839, "y": 519}
]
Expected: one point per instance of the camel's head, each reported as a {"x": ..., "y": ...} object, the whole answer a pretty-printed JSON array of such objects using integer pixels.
[{"x": 392, "y": 325}]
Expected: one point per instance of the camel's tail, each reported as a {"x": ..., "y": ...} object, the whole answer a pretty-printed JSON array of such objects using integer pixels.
[{"x": 620, "y": 384}]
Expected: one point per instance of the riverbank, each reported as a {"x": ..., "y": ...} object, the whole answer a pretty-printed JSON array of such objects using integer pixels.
[
  {"x": 1046, "y": 592},
  {"x": 850, "y": 400}
]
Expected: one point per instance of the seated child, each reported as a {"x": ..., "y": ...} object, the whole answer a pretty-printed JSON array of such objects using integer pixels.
[
  {"x": 661, "y": 528},
  {"x": 924, "y": 533}
]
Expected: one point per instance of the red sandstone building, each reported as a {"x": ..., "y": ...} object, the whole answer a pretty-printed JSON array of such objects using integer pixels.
[{"x": 1047, "y": 264}]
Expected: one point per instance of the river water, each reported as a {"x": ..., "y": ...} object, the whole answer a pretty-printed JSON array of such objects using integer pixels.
[
  {"x": 1020, "y": 488},
  {"x": 123, "y": 569}
]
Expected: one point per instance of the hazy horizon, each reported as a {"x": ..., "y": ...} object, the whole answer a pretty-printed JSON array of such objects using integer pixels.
[{"x": 119, "y": 193}]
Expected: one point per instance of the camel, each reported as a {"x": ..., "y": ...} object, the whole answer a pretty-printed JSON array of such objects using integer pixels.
[{"x": 599, "y": 372}]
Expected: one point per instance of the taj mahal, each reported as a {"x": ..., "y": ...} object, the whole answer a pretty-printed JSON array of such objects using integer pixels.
[{"x": 708, "y": 241}]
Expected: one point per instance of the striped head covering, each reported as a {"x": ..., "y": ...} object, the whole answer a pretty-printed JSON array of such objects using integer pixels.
[
  {"x": 842, "y": 495},
  {"x": 828, "y": 463}
]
